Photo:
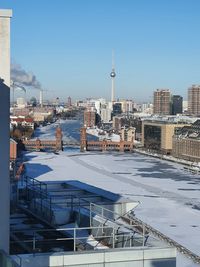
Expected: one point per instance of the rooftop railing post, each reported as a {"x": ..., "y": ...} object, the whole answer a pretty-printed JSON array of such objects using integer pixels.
[
  {"x": 143, "y": 233},
  {"x": 79, "y": 212},
  {"x": 50, "y": 209},
  {"x": 74, "y": 239},
  {"x": 102, "y": 215},
  {"x": 26, "y": 188},
  {"x": 34, "y": 242},
  {"x": 90, "y": 214},
  {"x": 72, "y": 201},
  {"x": 102, "y": 212},
  {"x": 113, "y": 238}
]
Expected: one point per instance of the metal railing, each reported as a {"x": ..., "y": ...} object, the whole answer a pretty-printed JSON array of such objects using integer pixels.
[
  {"x": 83, "y": 238},
  {"x": 138, "y": 227}
]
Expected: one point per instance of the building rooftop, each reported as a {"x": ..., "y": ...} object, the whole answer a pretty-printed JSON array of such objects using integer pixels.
[
  {"x": 64, "y": 217},
  {"x": 190, "y": 131},
  {"x": 164, "y": 121},
  {"x": 6, "y": 13}
]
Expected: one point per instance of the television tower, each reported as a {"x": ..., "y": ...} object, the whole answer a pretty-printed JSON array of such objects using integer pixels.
[{"x": 112, "y": 75}]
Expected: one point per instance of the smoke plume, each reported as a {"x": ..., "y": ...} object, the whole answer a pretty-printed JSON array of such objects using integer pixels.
[{"x": 22, "y": 77}]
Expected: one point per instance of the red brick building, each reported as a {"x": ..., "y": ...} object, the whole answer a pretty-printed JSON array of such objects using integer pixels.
[
  {"x": 25, "y": 122},
  {"x": 89, "y": 118},
  {"x": 13, "y": 149}
]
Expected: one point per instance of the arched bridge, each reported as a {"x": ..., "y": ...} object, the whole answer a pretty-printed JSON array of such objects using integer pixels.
[{"x": 38, "y": 144}]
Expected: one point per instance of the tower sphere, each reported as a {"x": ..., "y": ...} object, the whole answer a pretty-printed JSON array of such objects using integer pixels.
[{"x": 112, "y": 74}]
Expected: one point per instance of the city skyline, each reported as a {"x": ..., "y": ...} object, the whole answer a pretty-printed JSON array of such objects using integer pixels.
[
  {"x": 69, "y": 47},
  {"x": 69, "y": 190}
]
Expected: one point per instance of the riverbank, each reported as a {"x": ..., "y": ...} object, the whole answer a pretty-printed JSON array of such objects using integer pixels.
[{"x": 193, "y": 167}]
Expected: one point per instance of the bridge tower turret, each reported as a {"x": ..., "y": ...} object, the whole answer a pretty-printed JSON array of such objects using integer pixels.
[
  {"x": 59, "y": 135},
  {"x": 83, "y": 141},
  {"x": 38, "y": 144}
]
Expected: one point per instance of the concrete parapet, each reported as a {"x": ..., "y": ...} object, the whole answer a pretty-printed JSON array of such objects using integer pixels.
[{"x": 134, "y": 257}]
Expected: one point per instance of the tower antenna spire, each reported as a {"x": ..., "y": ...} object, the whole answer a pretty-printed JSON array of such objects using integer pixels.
[
  {"x": 113, "y": 59},
  {"x": 112, "y": 75}
]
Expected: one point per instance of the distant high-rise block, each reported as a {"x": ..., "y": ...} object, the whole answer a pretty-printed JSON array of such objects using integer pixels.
[
  {"x": 177, "y": 104},
  {"x": 117, "y": 123},
  {"x": 105, "y": 113},
  {"x": 194, "y": 100},
  {"x": 69, "y": 101},
  {"x": 162, "y": 99},
  {"x": 89, "y": 118},
  {"x": 117, "y": 109}
]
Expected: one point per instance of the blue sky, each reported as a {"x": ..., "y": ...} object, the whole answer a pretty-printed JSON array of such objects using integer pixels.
[{"x": 68, "y": 45}]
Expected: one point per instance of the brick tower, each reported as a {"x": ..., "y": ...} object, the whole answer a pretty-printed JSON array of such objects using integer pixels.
[
  {"x": 83, "y": 141},
  {"x": 59, "y": 135}
]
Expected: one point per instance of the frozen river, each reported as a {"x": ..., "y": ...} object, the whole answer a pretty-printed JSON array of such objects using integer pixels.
[{"x": 169, "y": 196}]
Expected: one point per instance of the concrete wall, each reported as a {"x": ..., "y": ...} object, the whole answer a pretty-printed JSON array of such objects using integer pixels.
[
  {"x": 166, "y": 136},
  {"x": 5, "y": 128},
  {"x": 6, "y": 261},
  {"x": 155, "y": 257},
  {"x": 4, "y": 167},
  {"x": 5, "y": 16}
]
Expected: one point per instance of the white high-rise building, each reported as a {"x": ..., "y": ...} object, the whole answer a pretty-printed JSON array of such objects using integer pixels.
[
  {"x": 147, "y": 108},
  {"x": 127, "y": 106},
  {"x": 21, "y": 103},
  {"x": 185, "y": 105},
  {"x": 95, "y": 104},
  {"x": 98, "y": 104},
  {"x": 106, "y": 113}
]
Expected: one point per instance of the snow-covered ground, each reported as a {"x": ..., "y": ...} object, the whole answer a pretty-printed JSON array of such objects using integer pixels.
[{"x": 169, "y": 196}]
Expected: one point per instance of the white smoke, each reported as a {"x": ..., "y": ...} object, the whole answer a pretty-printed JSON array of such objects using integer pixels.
[{"x": 20, "y": 76}]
